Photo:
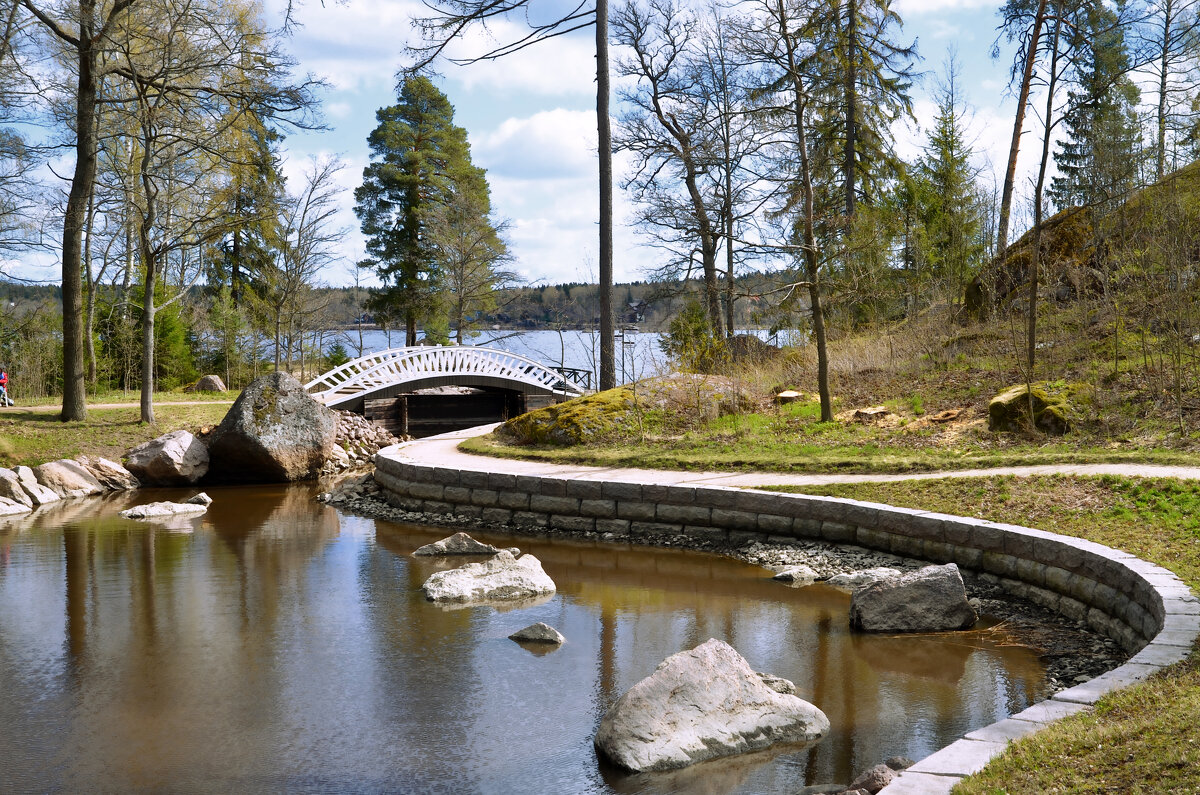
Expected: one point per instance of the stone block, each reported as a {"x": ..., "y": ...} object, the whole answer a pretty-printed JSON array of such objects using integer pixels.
[
  {"x": 548, "y": 487},
  {"x": 874, "y": 539},
  {"x": 473, "y": 479},
  {"x": 1030, "y": 571},
  {"x": 468, "y": 511},
  {"x": 637, "y": 511},
  {"x": 988, "y": 537},
  {"x": 808, "y": 527},
  {"x": 631, "y": 492},
  {"x": 502, "y": 481},
  {"x": 426, "y": 491},
  {"x": 567, "y": 506},
  {"x": 733, "y": 520},
  {"x": 940, "y": 552},
  {"x": 838, "y": 532},
  {"x": 585, "y": 489},
  {"x": 711, "y": 533},
  {"x": 484, "y": 497},
  {"x": 754, "y": 501},
  {"x": 654, "y": 528},
  {"x": 600, "y": 509},
  {"x": 513, "y": 500},
  {"x": 574, "y": 524},
  {"x": 437, "y": 506},
  {"x": 719, "y": 497},
  {"x": 1000, "y": 564},
  {"x": 676, "y": 495},
  {"x": 682, "y": 514},
  {"x": 456, "y": 494},
  {"x": 959, "y": 758},
  {"x": 774, "y": 524}
]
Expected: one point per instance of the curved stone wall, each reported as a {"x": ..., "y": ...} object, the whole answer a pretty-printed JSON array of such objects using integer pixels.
[{"x": 1145, "y": 608}]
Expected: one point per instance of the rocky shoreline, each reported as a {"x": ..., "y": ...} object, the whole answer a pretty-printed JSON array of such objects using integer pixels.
[{"x": 1071, "y": 652}]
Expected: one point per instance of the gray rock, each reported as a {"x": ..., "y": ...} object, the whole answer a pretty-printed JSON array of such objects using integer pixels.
[
  {"x": 457, "y": 544},
  {"x": 11, "y": 490},
  {"x": 199, "y": 499},
  {"x": 36, "y": 491},
  {"x": 162, "y": 510},
  {"x": 209, "y": 383},
  {"x": 174, "y": 459},
  {"x": 931, "y": 599},
  {"x": 111, "y": 475},
  {"x": 797, "y": 575},
  {"x": 873, "y": 780},
  {"x": 860, "y": 579},
  {"x": 899, "y": 763},
  {"x": 67, "y": 478},
  {"x": 538, "y": 633},
  {"x": 274, "y": 432},
  {"x": 502, "y": 578},
  {"x": 702, "y": 704}
]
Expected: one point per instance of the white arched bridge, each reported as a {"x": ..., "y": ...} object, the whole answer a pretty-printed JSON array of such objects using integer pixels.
[{"x": 402, "y": 370}]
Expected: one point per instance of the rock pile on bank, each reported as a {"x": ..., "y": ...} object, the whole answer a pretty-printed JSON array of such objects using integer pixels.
[{"x": 356, "y": 443}]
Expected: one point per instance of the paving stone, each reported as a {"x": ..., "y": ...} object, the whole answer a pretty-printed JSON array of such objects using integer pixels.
[
  {"x": 1092, "y": 691},
  {"x": 910, "y": 783},
  {"x": 1004, "y": 731},
  {"x": 959, "y": 758}
]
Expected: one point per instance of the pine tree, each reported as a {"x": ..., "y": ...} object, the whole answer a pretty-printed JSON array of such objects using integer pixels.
[
  {"x": 952, "y": 219},
  {"x": 1098, "y": 161},
  {"x": 419, "y": 158}
]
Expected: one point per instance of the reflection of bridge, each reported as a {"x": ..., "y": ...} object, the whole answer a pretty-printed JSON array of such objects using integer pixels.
[{"x": 394, "y": 372}]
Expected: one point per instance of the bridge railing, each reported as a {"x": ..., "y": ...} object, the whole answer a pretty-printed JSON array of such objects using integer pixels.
[{"x": 398, "y": 365}]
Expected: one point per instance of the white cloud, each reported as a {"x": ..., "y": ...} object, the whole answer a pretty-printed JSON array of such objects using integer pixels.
[
  {"x": 550, "y": 144},
  {"x": 906, "y": 8}
]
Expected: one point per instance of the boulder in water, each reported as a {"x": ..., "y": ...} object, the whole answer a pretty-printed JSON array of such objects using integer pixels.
[
  {"x": 932, "y": 599},
  {"x": 702, "y": 704},
  {"x": 274, "y": 432},
  {"x": 174, "y": 459},
  {"x": 502, "y": 578}
]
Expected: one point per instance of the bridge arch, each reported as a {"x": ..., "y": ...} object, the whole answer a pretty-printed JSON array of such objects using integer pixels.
[{"x": 399, "y": 370}]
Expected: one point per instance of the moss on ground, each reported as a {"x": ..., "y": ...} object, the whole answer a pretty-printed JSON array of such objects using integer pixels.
[{"x": 603, "y": 415}]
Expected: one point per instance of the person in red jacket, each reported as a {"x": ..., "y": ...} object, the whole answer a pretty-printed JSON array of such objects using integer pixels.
[{"x": 4, "y": 400}]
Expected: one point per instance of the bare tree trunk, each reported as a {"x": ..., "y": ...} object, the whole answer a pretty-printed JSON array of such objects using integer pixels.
[
  {"x": 89, "y": 319},
  {"x": 74, "y": 406},
  {"x": 1163, "y": 65},
  {"x": 851, "y": 109},
  {"x": 1010, "y": 174},
  {"x": 608, "y": 358}
]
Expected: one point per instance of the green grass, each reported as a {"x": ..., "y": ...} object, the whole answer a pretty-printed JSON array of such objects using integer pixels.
[
  {"x": 31, "y": 436},
  {"x": 1144, "y": 739}
]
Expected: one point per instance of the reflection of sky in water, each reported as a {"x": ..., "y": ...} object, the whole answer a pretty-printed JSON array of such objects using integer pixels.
[{"x": 282, "y": 646}]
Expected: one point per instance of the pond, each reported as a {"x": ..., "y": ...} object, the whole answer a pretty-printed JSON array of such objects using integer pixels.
[{"x": 276, "y": 644}]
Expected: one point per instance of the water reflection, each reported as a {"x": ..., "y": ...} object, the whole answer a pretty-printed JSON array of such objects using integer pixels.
[{"x": 283, "y": 646}]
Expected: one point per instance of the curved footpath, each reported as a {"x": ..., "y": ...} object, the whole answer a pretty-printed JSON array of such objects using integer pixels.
[{"x": 1144, "y": 607}]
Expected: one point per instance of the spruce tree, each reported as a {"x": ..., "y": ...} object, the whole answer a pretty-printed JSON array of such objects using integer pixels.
[
  {"x": 1098, "y": 161},
  {"x": 419, "y": 159}
]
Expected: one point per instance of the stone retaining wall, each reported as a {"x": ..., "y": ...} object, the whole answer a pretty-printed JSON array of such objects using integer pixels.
[{"x": 1145, "y": 608}]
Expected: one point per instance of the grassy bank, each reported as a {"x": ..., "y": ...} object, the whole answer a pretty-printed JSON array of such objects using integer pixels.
[
  {"x": 1143, "y": 739},
  {"x": 32, "y": 436}
]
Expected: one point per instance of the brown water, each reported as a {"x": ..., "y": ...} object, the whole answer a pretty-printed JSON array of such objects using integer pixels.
[{"x": 278, "y": 645}]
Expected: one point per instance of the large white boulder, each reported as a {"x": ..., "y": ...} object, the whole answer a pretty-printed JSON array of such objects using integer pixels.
[
  {"x": 702, "y": 704},
  {"x": 932, "y": 599},
  {"x": 174, "y": 459},
  {"x": 12, "y": 507},
  {"x": 67, "y": 478},
  {"x": 501, "y": 578}
]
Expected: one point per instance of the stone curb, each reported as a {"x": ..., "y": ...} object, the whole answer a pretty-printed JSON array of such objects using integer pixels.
[{"x": 1144, "y": 607}]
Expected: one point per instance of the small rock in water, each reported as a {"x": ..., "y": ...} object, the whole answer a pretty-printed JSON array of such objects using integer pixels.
[
  {"x": 502, "y": 578},
  {"x": 162, "y": 510},
  {"x": 457, "y": 544},
  {"x": 538, "y": 633},
  {"x": 797, "y": 575},
  {"x": 199, "y": 499}
]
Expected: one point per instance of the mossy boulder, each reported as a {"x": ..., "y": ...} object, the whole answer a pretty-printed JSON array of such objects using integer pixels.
[
  {"x": 592, "y": 417},
  {"x": 1052, "y": 408}
]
